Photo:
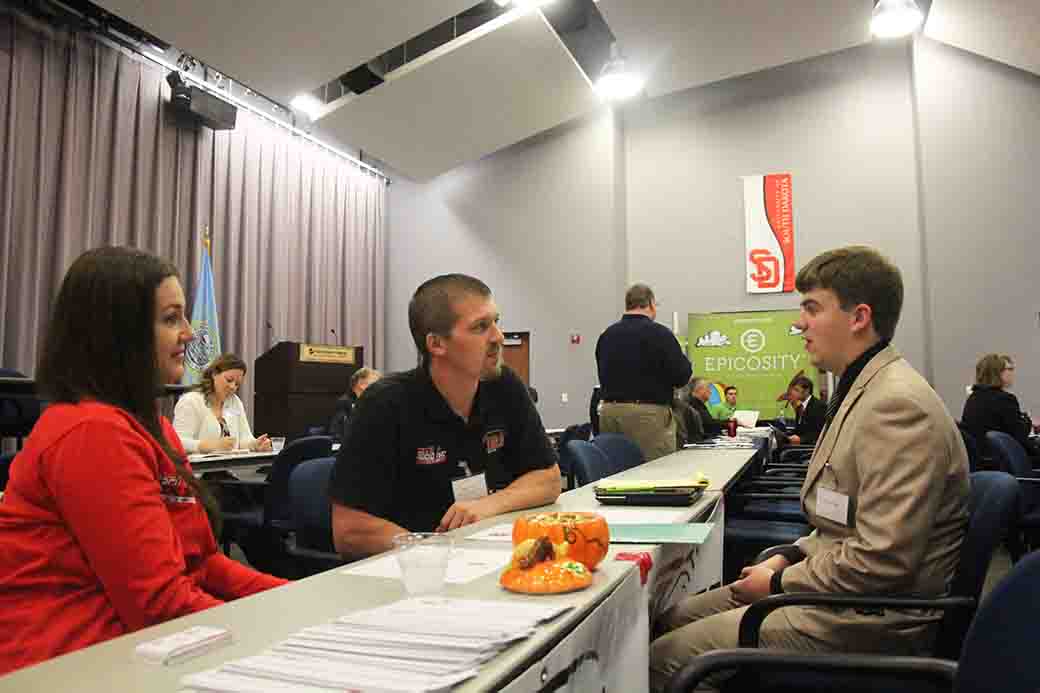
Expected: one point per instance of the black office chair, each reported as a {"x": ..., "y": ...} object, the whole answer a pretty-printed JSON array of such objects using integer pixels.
[
  {"x": 18, "y": 413},
  {"x": 971, "y": 446},
  {"x": 311, "y": 544},
  {"x": 1009, "y": 456},
  {"x": 998, "y": 654},
  {"x": 991, "y": 506}
]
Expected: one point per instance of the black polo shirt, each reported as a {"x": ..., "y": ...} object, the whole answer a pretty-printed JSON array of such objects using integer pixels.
[{"x": 406, "y": 446}]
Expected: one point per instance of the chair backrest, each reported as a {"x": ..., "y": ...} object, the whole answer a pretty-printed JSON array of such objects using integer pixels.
[
  {"x": 575, "y": 432},
  {"x": 5, "y": 469},
  {"x": 622, "y": 451},
  {"x": 999, "y": 651},
  {"x": 309, "y": 503},
  {"x": 971, "y": 445},
  {"x": 1008, "y": 454},
  {"x": 18, "y": 413},
  {"x": 276, "y": 496},
  {"x": 992, "y": 507},
  {"x": 589, "y": 462}
]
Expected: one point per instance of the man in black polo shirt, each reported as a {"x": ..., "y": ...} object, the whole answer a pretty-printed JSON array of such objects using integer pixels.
[
  {"x": 427, "y": 445},
  {"x": 640, "y": 364}
]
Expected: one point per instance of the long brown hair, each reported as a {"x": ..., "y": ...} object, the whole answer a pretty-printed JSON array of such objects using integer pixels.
[{"x": 100, "y": 344}]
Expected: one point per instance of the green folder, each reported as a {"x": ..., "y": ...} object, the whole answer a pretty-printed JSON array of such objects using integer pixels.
[{"x": 689, "y": 533}]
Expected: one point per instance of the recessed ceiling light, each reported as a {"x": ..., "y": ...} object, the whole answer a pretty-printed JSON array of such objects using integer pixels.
[{"x": 616, "y": 81}]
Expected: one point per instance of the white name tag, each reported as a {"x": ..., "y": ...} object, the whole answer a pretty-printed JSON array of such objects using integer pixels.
[
  {"x": 469, "y": 488},
  {"x": 832, "y": 505}
]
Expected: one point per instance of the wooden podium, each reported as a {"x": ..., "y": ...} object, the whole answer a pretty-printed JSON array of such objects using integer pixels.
[{"x": 296, "y": 386}]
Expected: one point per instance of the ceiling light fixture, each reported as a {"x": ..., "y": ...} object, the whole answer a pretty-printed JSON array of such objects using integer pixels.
[
  {"x": 616, "y": 82},
  {"x": 895, "y": 18},
  {"x": 307, "y": 104}
]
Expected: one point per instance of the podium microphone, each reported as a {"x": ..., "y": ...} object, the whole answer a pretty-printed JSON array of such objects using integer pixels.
[
  {"x": 336, "y": 336},
  {"x": 270, "y": 332}
]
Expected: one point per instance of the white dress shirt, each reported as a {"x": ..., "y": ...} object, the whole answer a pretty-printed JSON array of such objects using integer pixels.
[{"x": 194, "y": 421}]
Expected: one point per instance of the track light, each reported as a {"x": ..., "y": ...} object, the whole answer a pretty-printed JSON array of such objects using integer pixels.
[
  {"x": 616, "y": 82},
  {"x": 895, "y": 18}
]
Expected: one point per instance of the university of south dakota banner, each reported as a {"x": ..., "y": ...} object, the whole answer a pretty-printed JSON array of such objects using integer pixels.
[
  {"x": 768, "y": 234},
  {"x": 759, "y": 352}
]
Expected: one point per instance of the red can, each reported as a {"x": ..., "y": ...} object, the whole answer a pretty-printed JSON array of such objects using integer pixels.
[{"x": 732, "y": 428}]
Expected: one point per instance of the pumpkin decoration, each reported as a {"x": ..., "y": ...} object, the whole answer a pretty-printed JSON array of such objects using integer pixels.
[
  {"x": 577, "y": 536},
  {"x": 536, "y": 570}
]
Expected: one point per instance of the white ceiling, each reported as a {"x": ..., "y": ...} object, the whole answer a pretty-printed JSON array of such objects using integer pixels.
[
  {"x": 1007, "y": 31},
  {"x": 487, "y": 94},
  {"x": 680, "y": 44},
  {"x": 283, "y": 48},
  {"x": 479, "y": 95}
]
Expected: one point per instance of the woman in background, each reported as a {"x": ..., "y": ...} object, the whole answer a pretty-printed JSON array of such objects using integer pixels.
[
  {"x": 103, "y": 526},
  {"x": 212, "y": 418},
  {"x": 990, "y": 407}
]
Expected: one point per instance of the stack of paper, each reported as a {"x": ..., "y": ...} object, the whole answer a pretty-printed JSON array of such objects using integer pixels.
[
  {"x": 723, "y": 443},
  {"x": 418, "y": 644}
]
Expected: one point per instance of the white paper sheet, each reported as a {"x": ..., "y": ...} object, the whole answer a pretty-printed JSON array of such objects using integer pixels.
[{"x": 463, "y": 566}]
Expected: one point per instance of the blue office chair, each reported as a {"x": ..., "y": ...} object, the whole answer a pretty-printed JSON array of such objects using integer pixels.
[
  {"x": 1009, "y": 456},
  {"x": 991, "y": 507},
  {"x": 622, "y": 451},
  {"x": 575, "y": 432},
  {"x": 999, "y": 653},
  {"x": 260, "y": 529},
  {"x": 588, "y": 462},
  {"x": 311, "y": 542}
]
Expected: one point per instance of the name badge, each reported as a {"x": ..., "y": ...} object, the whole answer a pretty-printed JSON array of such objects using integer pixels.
[
  {"x": 832, "y": 505},
  {"x": 469, "y": 487}
]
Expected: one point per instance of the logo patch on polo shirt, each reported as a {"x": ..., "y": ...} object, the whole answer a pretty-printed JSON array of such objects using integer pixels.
[
  {"x": 173, "y": 489},
  {"x": 431, "y": 455},
  {"x": 493, "y": 440}
]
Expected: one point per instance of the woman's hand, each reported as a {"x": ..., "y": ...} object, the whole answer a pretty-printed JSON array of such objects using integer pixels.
[
  {"x": 225, "y": 444},
  {"x": 262, "y": 444}
]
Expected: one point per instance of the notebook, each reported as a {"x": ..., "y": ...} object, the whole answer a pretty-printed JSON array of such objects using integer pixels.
[{"x": 672, "y": 492}]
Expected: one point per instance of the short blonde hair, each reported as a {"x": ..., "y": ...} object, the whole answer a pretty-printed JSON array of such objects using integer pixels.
[{"x": 989, "y": 368}]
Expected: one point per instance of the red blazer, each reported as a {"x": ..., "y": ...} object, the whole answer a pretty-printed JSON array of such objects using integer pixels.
[{"x": 98, "y": 537}]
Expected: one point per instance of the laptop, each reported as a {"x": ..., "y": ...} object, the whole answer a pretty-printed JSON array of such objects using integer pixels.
[{"x": 673, "y": 493}]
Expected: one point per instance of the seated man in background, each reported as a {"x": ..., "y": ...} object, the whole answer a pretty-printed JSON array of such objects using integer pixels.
[
  {"x": 428, "y": 444},
  {"x": 809, "y": 413},
  {"x": 359, "y": 382},
  {"x": 723, "y": 411},
  {"x": 700, "y": 393},
  {"x": 886, "y": 490}
]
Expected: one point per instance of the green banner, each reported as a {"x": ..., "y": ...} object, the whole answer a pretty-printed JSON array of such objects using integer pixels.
[{"x": 759, "y": 352}]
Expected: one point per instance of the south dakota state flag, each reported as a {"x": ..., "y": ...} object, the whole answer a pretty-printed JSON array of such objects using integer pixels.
[{"x": 206, "y": 345}]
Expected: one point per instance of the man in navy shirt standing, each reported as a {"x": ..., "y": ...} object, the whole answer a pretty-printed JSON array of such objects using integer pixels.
[
  {"x": 428, "y": 445},
  {"x": 640, "y": 364}
]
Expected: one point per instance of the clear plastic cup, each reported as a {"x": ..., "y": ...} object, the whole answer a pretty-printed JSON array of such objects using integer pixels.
[
  {"x": 423, "y": 559},
  {"x": 277, "y": 444}
]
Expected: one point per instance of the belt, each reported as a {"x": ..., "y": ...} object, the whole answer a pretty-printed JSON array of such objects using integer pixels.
[{"x": 635, "y": 401}]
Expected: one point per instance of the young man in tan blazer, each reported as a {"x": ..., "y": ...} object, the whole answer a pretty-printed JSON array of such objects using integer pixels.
[{"x": 886, "y": 489}]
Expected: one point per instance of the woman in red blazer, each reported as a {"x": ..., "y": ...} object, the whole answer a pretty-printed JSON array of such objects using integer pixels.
[{"x": 103, "y": 527}]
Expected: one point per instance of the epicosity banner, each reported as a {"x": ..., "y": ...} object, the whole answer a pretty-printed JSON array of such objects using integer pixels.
[
  {"x": 758, "y": 352},
  {"x": 768, "y": 234}
]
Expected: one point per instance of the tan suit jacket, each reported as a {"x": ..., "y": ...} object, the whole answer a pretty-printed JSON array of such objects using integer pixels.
[{"x": 896, "y": 453}]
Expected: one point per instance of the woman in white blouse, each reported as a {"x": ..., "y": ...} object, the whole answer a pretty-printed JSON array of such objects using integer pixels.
[{"x": 212, "y": 418}]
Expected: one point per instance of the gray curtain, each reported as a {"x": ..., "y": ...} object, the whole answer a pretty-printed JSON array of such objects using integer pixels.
[{"x": 91, "y": 155}]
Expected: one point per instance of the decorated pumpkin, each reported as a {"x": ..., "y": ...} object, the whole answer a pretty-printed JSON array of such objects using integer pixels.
[
  {"x": 535, "y": 569},
  {"x": 578, "y": 536}
]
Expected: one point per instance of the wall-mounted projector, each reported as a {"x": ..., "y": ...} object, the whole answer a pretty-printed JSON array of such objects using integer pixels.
[{"x": 200, "y": 105}]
